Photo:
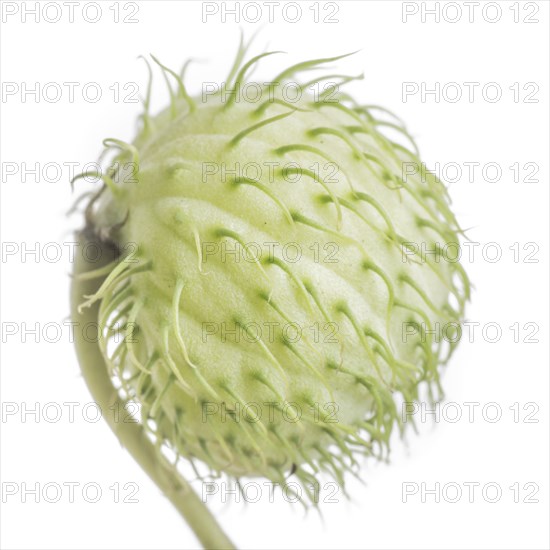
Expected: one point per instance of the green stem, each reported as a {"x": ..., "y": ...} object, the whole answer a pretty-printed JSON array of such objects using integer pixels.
[{"x": 132, "y": 435}]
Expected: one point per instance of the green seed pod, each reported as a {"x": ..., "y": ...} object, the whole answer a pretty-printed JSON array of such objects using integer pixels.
[{"x": 272, "y": 286}]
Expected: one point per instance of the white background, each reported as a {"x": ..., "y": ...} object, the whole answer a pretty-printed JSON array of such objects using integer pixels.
[{"x": 392, "y": 52}]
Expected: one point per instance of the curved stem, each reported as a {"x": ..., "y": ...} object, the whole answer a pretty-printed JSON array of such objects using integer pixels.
[{"x": 132, "y": 435}]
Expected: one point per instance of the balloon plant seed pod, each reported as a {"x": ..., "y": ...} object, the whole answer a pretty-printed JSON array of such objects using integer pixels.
[{"x": 268, "y": 300}]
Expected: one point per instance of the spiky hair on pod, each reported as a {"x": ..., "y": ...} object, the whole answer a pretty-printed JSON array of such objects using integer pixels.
[{"x": 186, "y": 306}]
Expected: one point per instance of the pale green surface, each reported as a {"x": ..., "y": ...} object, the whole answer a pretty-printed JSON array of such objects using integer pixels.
[{"x": 169, "y": 288}]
